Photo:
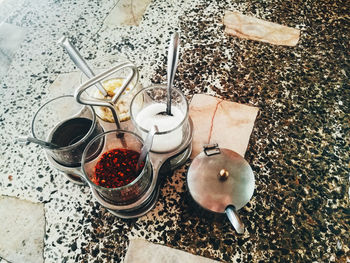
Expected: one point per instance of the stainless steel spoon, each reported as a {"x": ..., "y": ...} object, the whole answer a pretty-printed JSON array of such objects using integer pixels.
[
  {"x": 47, "y": 145},
  {"x": 147, "y": 145},
  {"x": 79, "y": 61},
  {"x": 173, "y": 55}
]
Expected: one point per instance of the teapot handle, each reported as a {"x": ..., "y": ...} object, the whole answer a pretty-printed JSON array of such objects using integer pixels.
[{"x": 234, "y": 218}]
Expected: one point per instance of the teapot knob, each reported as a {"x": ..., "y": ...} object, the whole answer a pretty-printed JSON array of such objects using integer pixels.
[{"x": 223, "y": 174}]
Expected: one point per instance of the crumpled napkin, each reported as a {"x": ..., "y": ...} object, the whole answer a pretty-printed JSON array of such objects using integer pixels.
[
  {"x": 218, "y": 121},
  {"x": 248, "y": 27},
  {"x": 141, "y": 251}
]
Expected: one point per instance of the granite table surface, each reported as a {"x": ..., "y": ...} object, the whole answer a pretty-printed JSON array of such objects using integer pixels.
[{"x": 299, "y": 148}]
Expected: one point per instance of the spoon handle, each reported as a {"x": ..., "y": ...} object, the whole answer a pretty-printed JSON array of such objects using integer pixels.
[
  {"x": 79, "y": 61},
  {"x": 173, "y": 55},
  {"x": 48, "y": 145},
  {"x": 233, "y": 216},
  {"x": 147, "y": 145}
]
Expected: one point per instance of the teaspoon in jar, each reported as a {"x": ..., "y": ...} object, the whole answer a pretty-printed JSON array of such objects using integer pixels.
[{"x": 173, "y": 55}]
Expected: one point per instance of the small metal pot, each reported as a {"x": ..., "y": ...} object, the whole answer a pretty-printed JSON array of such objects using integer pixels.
[{"x": 220, "y": 180}]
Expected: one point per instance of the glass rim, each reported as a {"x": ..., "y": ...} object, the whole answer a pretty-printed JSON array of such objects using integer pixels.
[
  {"x": 64, "y": 148},
  {"x": 163, "y": 86},
  {"x": 85, "y": 153}
]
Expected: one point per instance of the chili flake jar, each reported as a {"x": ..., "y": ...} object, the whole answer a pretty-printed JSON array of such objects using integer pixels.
[{"x": 113, "y": 173}]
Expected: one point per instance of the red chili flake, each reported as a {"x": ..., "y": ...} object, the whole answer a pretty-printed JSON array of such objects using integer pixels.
[
  {"x": 10, "y": 177},
  {"x": 116, "y": 168}
]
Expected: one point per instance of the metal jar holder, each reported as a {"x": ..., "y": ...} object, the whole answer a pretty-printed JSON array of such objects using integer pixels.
[
  {"x": 109, "y": 103},
  {"x": 160, "y": 162}
]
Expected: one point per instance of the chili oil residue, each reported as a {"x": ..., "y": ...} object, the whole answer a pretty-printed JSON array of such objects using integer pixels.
[{"x": 117, "y": 168}]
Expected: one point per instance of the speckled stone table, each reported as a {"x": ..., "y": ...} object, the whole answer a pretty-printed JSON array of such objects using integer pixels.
[{"x": 299, "y": 148}]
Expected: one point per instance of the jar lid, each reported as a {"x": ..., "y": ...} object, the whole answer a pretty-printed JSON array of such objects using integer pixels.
[{"x": 220, "y": 177}]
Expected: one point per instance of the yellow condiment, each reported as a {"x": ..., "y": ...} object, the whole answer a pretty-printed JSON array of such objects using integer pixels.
[{"x": 122, "y": 105}]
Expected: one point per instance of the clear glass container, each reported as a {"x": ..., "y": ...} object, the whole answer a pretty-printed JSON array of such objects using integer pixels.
[
  {"x": 114, "y": 171},
  {"x": 68, "y": 124},
  {"x": 112, "y": 84},
  {"x": 148, "y": 108}
]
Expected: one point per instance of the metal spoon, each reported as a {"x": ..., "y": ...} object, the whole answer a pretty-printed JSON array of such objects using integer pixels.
[
  {"x": 173, "y": 55},
  {"x": 47, "y": 145},
  {"x": 79, "y": 61},
  {"x": 147, "y": 146}
]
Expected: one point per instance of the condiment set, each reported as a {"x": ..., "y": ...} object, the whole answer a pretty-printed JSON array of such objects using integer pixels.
[
  {"x": 161, "y": 160},
  {"x": 123, "y": 162}
]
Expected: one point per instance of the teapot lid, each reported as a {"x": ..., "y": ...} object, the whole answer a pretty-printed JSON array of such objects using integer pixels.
[{"x": 219, "y": 177}]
